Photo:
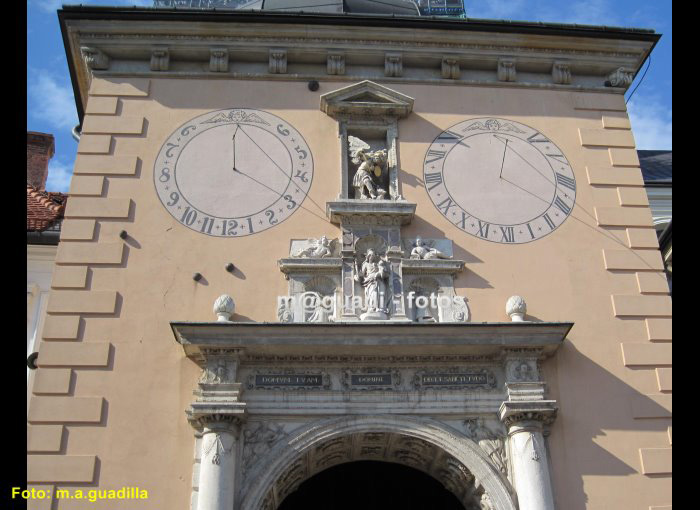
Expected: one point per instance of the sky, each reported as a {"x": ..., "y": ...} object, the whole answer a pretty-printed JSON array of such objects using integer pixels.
[{"x": 51, "y": 105}]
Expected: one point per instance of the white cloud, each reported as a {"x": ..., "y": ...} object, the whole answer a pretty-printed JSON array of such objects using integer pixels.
[
  {"x": 59, "y": 175},
  {"x": 51, "y": 100},
  {"x": 652, "y": 123}
]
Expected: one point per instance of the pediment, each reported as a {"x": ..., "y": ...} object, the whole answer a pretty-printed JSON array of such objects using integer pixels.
[{"x": 366, "y": 99}]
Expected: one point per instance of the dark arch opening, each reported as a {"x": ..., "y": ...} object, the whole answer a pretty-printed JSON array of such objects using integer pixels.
[{"x": 371, "y": 485}]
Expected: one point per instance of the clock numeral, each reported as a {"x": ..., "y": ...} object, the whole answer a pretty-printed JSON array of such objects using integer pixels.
[
  {"x": 559, "y": 157},
  {"x": 301, "y": 151},
  {"x": 483, "y": 229},
  {"x": 437, "y": 155},
  {"x": 532, "y": 234},
  {"x": 565, "y": 181},
  {"x": 250, "y": 225},
  {"x": 292, "y": 204},
  {"x": 463, "y": 221},
  {"x": 301, "y": 176},
  {"x": 228, "y": 227},
  {"x": 189, "y": 216},
  {"x": 174, "y": 196},
  {"x": 207, "y": 224},
  {"x": 508, "y": 234},
  {"x": 451, "y": 137},
  {"x": 186, "y": 130},
  {"x": 282, "y": 130},
  {"x": 548, "y": 220},
  {"x": 434, "y": 178},
  {"x": 445, "y": 205},
  {"x": 171, "y": 146},
  {"x": 164, "y": 175},
  {"x": 534, "y": 138},
  {"x": 563, "y": 207},
  {"x": 271, "y": 216}
]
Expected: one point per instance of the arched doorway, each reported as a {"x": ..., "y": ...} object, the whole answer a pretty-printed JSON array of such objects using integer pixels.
[
  {"x": 441, "y": 453},
  {"x": 371, "y": 485}
]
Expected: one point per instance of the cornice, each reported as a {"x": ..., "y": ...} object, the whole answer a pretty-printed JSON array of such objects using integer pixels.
[{"x": 124, "y": 41}]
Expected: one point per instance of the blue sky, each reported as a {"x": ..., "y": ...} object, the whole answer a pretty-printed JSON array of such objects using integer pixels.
[{"x": 51, "y": 106}]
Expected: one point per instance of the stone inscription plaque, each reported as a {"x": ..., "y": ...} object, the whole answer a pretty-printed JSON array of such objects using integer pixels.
[
  {"x": 288, "y": 381},
  {"x": 454, "y": 379},
  {"x": 370, "y": 380}
]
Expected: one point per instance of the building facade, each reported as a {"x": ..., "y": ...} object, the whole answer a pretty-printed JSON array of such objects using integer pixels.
[{"x": 302, "y": 241}]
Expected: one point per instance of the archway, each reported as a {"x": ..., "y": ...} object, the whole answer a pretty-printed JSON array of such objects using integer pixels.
[
  {"x": 427, "y": 445},
  {"x": 371, "y": 485}
]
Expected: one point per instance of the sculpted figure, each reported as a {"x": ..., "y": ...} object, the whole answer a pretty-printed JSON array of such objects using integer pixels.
[
  {"x": 489, "y": 441},
  {"x": 371, "y": 166},
  {"x": 319, "y": 248},
  {"x": 423, "y": 251},
  {"x": 374, "y": 277}
]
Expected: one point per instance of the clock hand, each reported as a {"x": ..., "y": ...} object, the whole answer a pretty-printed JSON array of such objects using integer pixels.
[
  {"x": 504, "y": 156},
  {"x": 521, "y": 157},
  {"x": 233, "y": 142}
]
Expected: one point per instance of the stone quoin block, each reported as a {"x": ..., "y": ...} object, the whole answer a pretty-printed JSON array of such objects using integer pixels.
[
  {"x": 587, "y": 101},
  {"x": 98, "y": 253},
  {"x": 69, "y": 277},
  {"x": 44, "y": 438},
  {"x": 623, "y": 157},
  {"x": 606, "y": 138},
  {"x": 652, "y": 406},
  {"x": 105, "y": 165},
  {"x": 121, "y": 125},
  {"x": 652, "y": 283},
  {"x": 77, "y": 230},
  {"x": 623, "y": 216},
  {"x": 632, "y": 196},
  {"x": 664, "y": 376},
  {"x": 608, "y": 176},
  {"x": 642, "y": 238},
  {"x": 646, "y": 354},
  {"x": 136, "y": 87},
  {"x": 659, "y": 330},
  {"x": 61, "y": 468},
  {"x": 610, "y": 122},
  {"x": 51, "y": 380},
  {"x": 86, "y": 185},
  {"x": 101, "y": 106},
  {"x": 88, "y": 207},
  {"x": 61, "y": 327},
  {"x": 82, "y": 301},
  {"x": 76, "y": 354},
  {"x": 651, "y": 306},
  {"x": 656, "y": 461},
  {"x": 94, "y": 144},
  {"x": 65, "y": 409},
  {"x": 638, "y": 260}
]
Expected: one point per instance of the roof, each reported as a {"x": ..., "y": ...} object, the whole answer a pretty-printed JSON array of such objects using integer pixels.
[
  {"x": 656, "y": 166},
  {"x": 44, "y": 209}
]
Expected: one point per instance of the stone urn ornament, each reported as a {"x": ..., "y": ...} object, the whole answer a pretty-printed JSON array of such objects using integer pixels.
[
  {"x": 516, "y": 308},
  {"x": 224, "y": 307}
]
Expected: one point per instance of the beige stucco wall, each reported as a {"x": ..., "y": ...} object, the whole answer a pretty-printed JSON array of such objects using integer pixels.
[{"x": 130, "y": 381}]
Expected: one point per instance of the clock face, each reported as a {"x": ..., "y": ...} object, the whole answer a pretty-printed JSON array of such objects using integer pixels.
[
  {"x": 499, "y": 180},
  {"x": 233, "y": 172}
]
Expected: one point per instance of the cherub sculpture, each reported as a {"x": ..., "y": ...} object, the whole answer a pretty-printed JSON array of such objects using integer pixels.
[
  {"x": 320, "y": 248},
  {"x": 424, "y": 252},
  {"x": 372, "y": 165}
]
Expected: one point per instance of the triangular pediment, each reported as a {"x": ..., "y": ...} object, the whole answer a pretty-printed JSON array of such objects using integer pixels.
[{"x": 367, "y": 99}]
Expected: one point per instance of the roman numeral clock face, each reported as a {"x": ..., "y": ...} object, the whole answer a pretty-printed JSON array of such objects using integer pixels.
[
  {"x": 499, "y": 180},
  {"x": 233, "y": 172}
]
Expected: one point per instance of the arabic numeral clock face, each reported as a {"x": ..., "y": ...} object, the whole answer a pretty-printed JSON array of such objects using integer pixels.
[
  {"x": 233, "y": 172},
  {"x": 499, "y": 180}
]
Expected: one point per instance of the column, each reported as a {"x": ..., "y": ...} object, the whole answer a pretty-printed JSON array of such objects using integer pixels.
[
  {"x": 217, "y": 466},
  {"x": 524, "y": 422}
]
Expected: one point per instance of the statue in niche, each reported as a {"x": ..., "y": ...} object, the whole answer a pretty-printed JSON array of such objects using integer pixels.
[
  {"x": 424, "y": 252},
  {"x": 320, "y": 248},
  {"x": 315, "y": 308},
  {"x": 372, "y": 165},
  {"x": 374, "y": 277}
]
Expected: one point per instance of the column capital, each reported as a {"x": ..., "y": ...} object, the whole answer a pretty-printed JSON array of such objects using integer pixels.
[
  {"x": 543, "y": 412},
  {"x": 222, "y": 416}
]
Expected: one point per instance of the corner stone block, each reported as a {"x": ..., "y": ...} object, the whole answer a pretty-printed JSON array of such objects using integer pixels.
[
  {"x": 69, "y": 277},
  {"x": 94, "y": 144},
  {"x": 652, "y": 283},
  {"x": 60, "y": 468},
  {"x": 646, "y": 354},
  {"x": 97, "y": 253},
  {"x": 86, "y": 185},
  {"x": 74, "y": 354},
  {"x": 65, "y": 409},
  {"x": 77, "y": 230},
  {"x": 664, "y": 376},
  {"x": 44, "y": 438},
  {"x": 101, "y": 106},
  {"x": 136, "y": 87},
  {"x": 658, "y": 330},
  {"x": 126, "y": 125},
  {"x": 608, "y": 176},
  {"x": 61, "y": 327},
  {"x": 592, "y": 101},
  {"x": 656, "y": 461},
  {"x": 652, "y": 306},
  {"x": 51, "y": 381},
  {"x": 606, "y": 138},
  {"x": 82, "y": 301},
  {"x": 642, "y": 238},
  {"x": 610, "y": 122},
  {"x": 104, "y": 165},
  {"x": 652, "y": 406},
  {"x": 633, "y": 260},
  {"x": 632, "y": 196},
  {"x": 623, "y": 157},
  {"x": 88, "y": 207},
  {"x": 621, "y": 216}
]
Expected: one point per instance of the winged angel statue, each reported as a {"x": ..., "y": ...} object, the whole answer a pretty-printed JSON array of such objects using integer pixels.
[
  {"x": 317, "y": 249},
  {"x": 372, "y": 165}
]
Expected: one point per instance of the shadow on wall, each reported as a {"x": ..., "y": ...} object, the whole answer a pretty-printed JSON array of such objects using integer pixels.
[{"x": 594, "y": 406}]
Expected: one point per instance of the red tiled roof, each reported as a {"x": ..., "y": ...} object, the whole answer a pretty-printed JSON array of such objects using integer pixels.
[{"x": 43, "y": 208}]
